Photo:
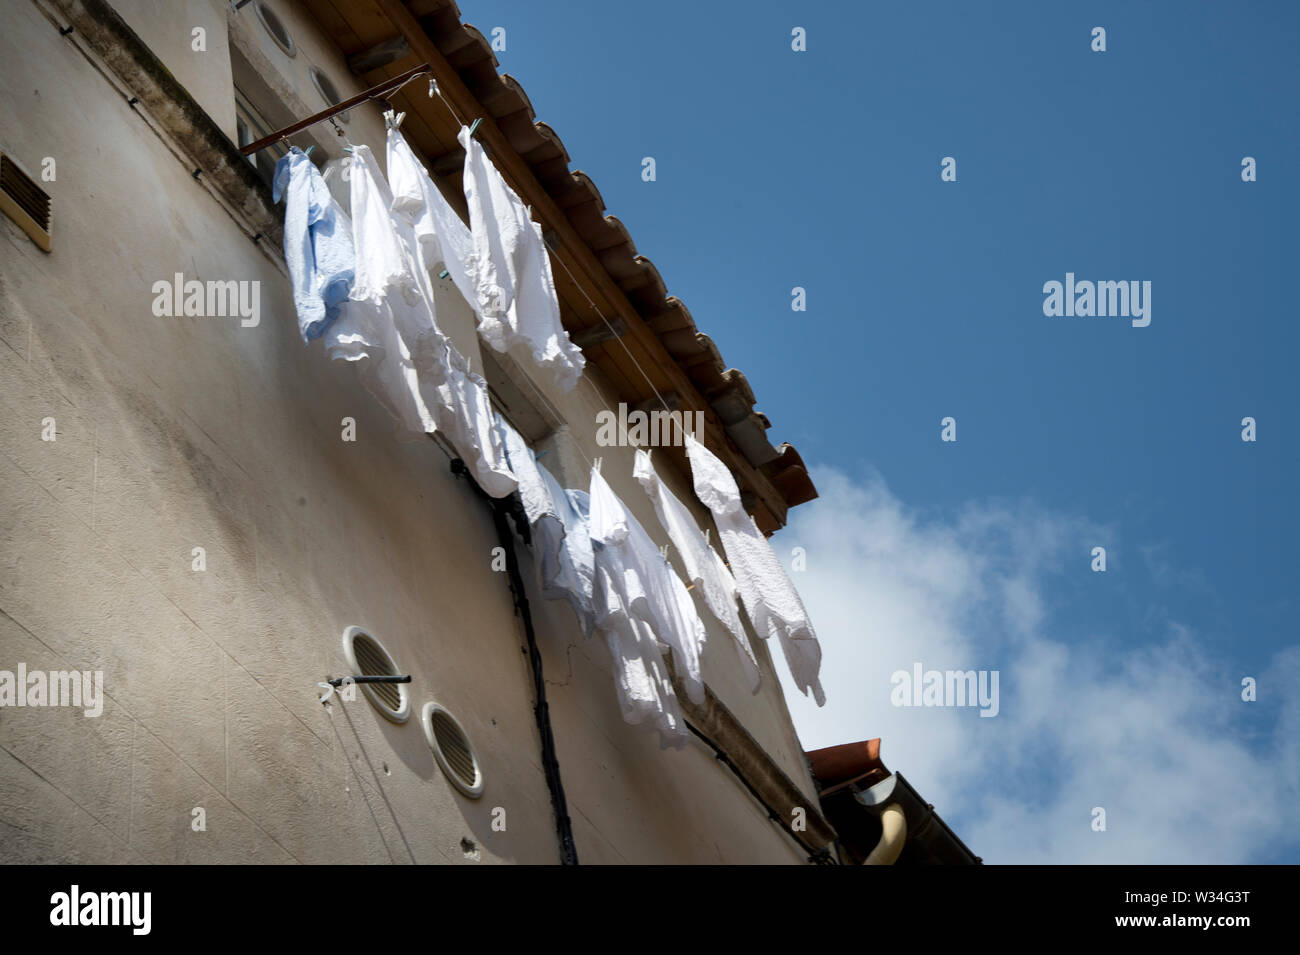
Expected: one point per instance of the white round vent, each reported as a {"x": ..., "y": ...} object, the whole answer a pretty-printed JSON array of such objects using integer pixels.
[
  {"x": 452, "y": 749},
  {"x": 367, "y": 657},
  {"x": 275, "y": 27}
]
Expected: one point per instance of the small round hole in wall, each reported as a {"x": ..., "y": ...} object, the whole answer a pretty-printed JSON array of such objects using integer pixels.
[
  {"x": 367, "y": 657},
  {"x": 452, "y": 749},
  {"x": 328, "y": 91},
  {"x": 275, "y": 27}
]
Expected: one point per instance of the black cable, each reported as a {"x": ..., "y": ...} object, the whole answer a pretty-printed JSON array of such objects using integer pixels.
[
  {"x": 820, "y": 856},
  {"x": 501, "y": 507}
]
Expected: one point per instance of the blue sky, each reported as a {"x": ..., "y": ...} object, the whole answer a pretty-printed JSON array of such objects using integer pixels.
[{"x": 821, "y": 169}]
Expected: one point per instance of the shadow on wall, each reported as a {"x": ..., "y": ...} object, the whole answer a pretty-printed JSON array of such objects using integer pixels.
[{"x": 408, "y": 742}]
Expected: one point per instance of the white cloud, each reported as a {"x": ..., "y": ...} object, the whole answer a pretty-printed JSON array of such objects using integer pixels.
[{"x": 1155, "y": 732}]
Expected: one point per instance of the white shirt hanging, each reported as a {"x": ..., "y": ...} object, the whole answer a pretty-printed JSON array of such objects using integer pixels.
[
  {"x": 647, "y": 586},
  {"x": 441, "y": 236},
  {"x": 466, "y": 417},
  {"x": 387, "y": 323},
  {"x": 704, "y": 568},
  {"x": 514, "y": 288},
  {"x": 770, "y": 599}
]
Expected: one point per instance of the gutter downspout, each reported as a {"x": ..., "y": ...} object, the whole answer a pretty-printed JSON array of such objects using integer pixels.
[
  {"x": 550, "y": 763},
  {"x": 893, "y": 821}
]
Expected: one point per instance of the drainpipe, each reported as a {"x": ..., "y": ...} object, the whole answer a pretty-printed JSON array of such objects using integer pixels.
[
  {"x": 879, "y": 799},
  {"x": 541, "y": 712}
]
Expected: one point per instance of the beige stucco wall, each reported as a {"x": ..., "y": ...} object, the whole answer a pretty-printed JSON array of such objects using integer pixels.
[{"x": 182, "y": 432}]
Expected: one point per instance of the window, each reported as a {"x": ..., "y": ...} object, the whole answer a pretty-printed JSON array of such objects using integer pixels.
[
  {"x": 275, "y": 27},
  {"x": 251, "y": 127},
  {"x": 328, "y": 91}
]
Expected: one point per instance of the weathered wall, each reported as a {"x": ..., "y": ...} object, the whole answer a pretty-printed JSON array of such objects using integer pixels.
[{"x": 174, "y": 433}]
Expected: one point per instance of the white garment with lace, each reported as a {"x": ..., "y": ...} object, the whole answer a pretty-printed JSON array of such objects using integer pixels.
[
  {"x": 770, "y": 599},
  {"x": 645, "y": 584},
  {"x": 704, "y": 568},
  {"x": 514, "y": 288}
]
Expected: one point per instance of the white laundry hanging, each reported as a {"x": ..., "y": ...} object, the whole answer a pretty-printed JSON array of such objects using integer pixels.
[
  {"x": 645, "y": 691},
  {"x": 387, "y": 324},
  {"x": 466, "y": 417},
  {"x": 536, "y": 497},
  {"x": 441, "y": 236},
  {"x": 571, "y": 574},
  {"x": 514, "y": 288},
  {"x": 646, "y": 586},
  {"x": 770, "y": 599},
  {"x": 561, "y": 537},
  {"x": 704, "y": 568}
]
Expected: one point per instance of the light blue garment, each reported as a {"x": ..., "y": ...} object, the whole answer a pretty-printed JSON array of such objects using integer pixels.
[{"x": 317, "y": 243}]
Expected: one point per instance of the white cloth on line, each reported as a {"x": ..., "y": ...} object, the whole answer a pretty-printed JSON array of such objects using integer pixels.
[
  {"x": 466, "y": 417},
  {"x": 441, "y": 236},
  {"x": 536, "y": 496},
  {"x": 704, "y": 568},
  {"x": 571, "y": 573},
  {"x": 645, "y": 692},
  {"x": 646, "y": 585},
  {"x": 770, "y": 599},
  {"x": 387, "y": 323},
  {"x": 514, "y": 288},
  {"x": 411, "y": 367},
  {"x": 561, "y": 537}
]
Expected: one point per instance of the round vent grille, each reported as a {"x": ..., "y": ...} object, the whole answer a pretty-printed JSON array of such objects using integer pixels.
[
  {"x": 452, "y": 749},
  {"x": 368, "y": 657},
  {"x": 275, "y": 27}
]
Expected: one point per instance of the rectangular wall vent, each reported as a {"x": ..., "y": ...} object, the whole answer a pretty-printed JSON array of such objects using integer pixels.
[{"x": 24, "y": 202}]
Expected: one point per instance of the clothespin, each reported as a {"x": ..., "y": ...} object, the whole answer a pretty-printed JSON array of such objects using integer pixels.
[
  {"x": 347, "y": 143},
  {"x": 443, "y": 274},
  {"x": 663, "y": 552},
  {"x": 307, "y": 152},
  {"x": 706, "y": 534},
  {"x": 596, "y": 464},
  {"x": 433, "y": 87},
  {"x": 473, "y": 127}
]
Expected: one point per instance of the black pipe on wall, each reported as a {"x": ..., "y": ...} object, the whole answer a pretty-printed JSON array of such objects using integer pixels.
[{"x": 501, "y": 507}]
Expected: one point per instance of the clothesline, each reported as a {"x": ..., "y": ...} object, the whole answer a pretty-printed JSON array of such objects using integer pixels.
[
  {"x": 393, "y": 85},
  {"x": 379, "y": 89},
  {"x": 433, "y": 88},
  {"x": 363, "y": 283}
]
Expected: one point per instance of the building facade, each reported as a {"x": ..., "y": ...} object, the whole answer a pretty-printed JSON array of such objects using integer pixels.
[{"x": 205, "y": 510}]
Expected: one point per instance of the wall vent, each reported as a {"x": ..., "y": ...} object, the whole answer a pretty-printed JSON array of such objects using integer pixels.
[
  {"x": 25, "y": 202},
  {"x": 452, "y": 749},
  {"x": 367, "y": 657}
]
